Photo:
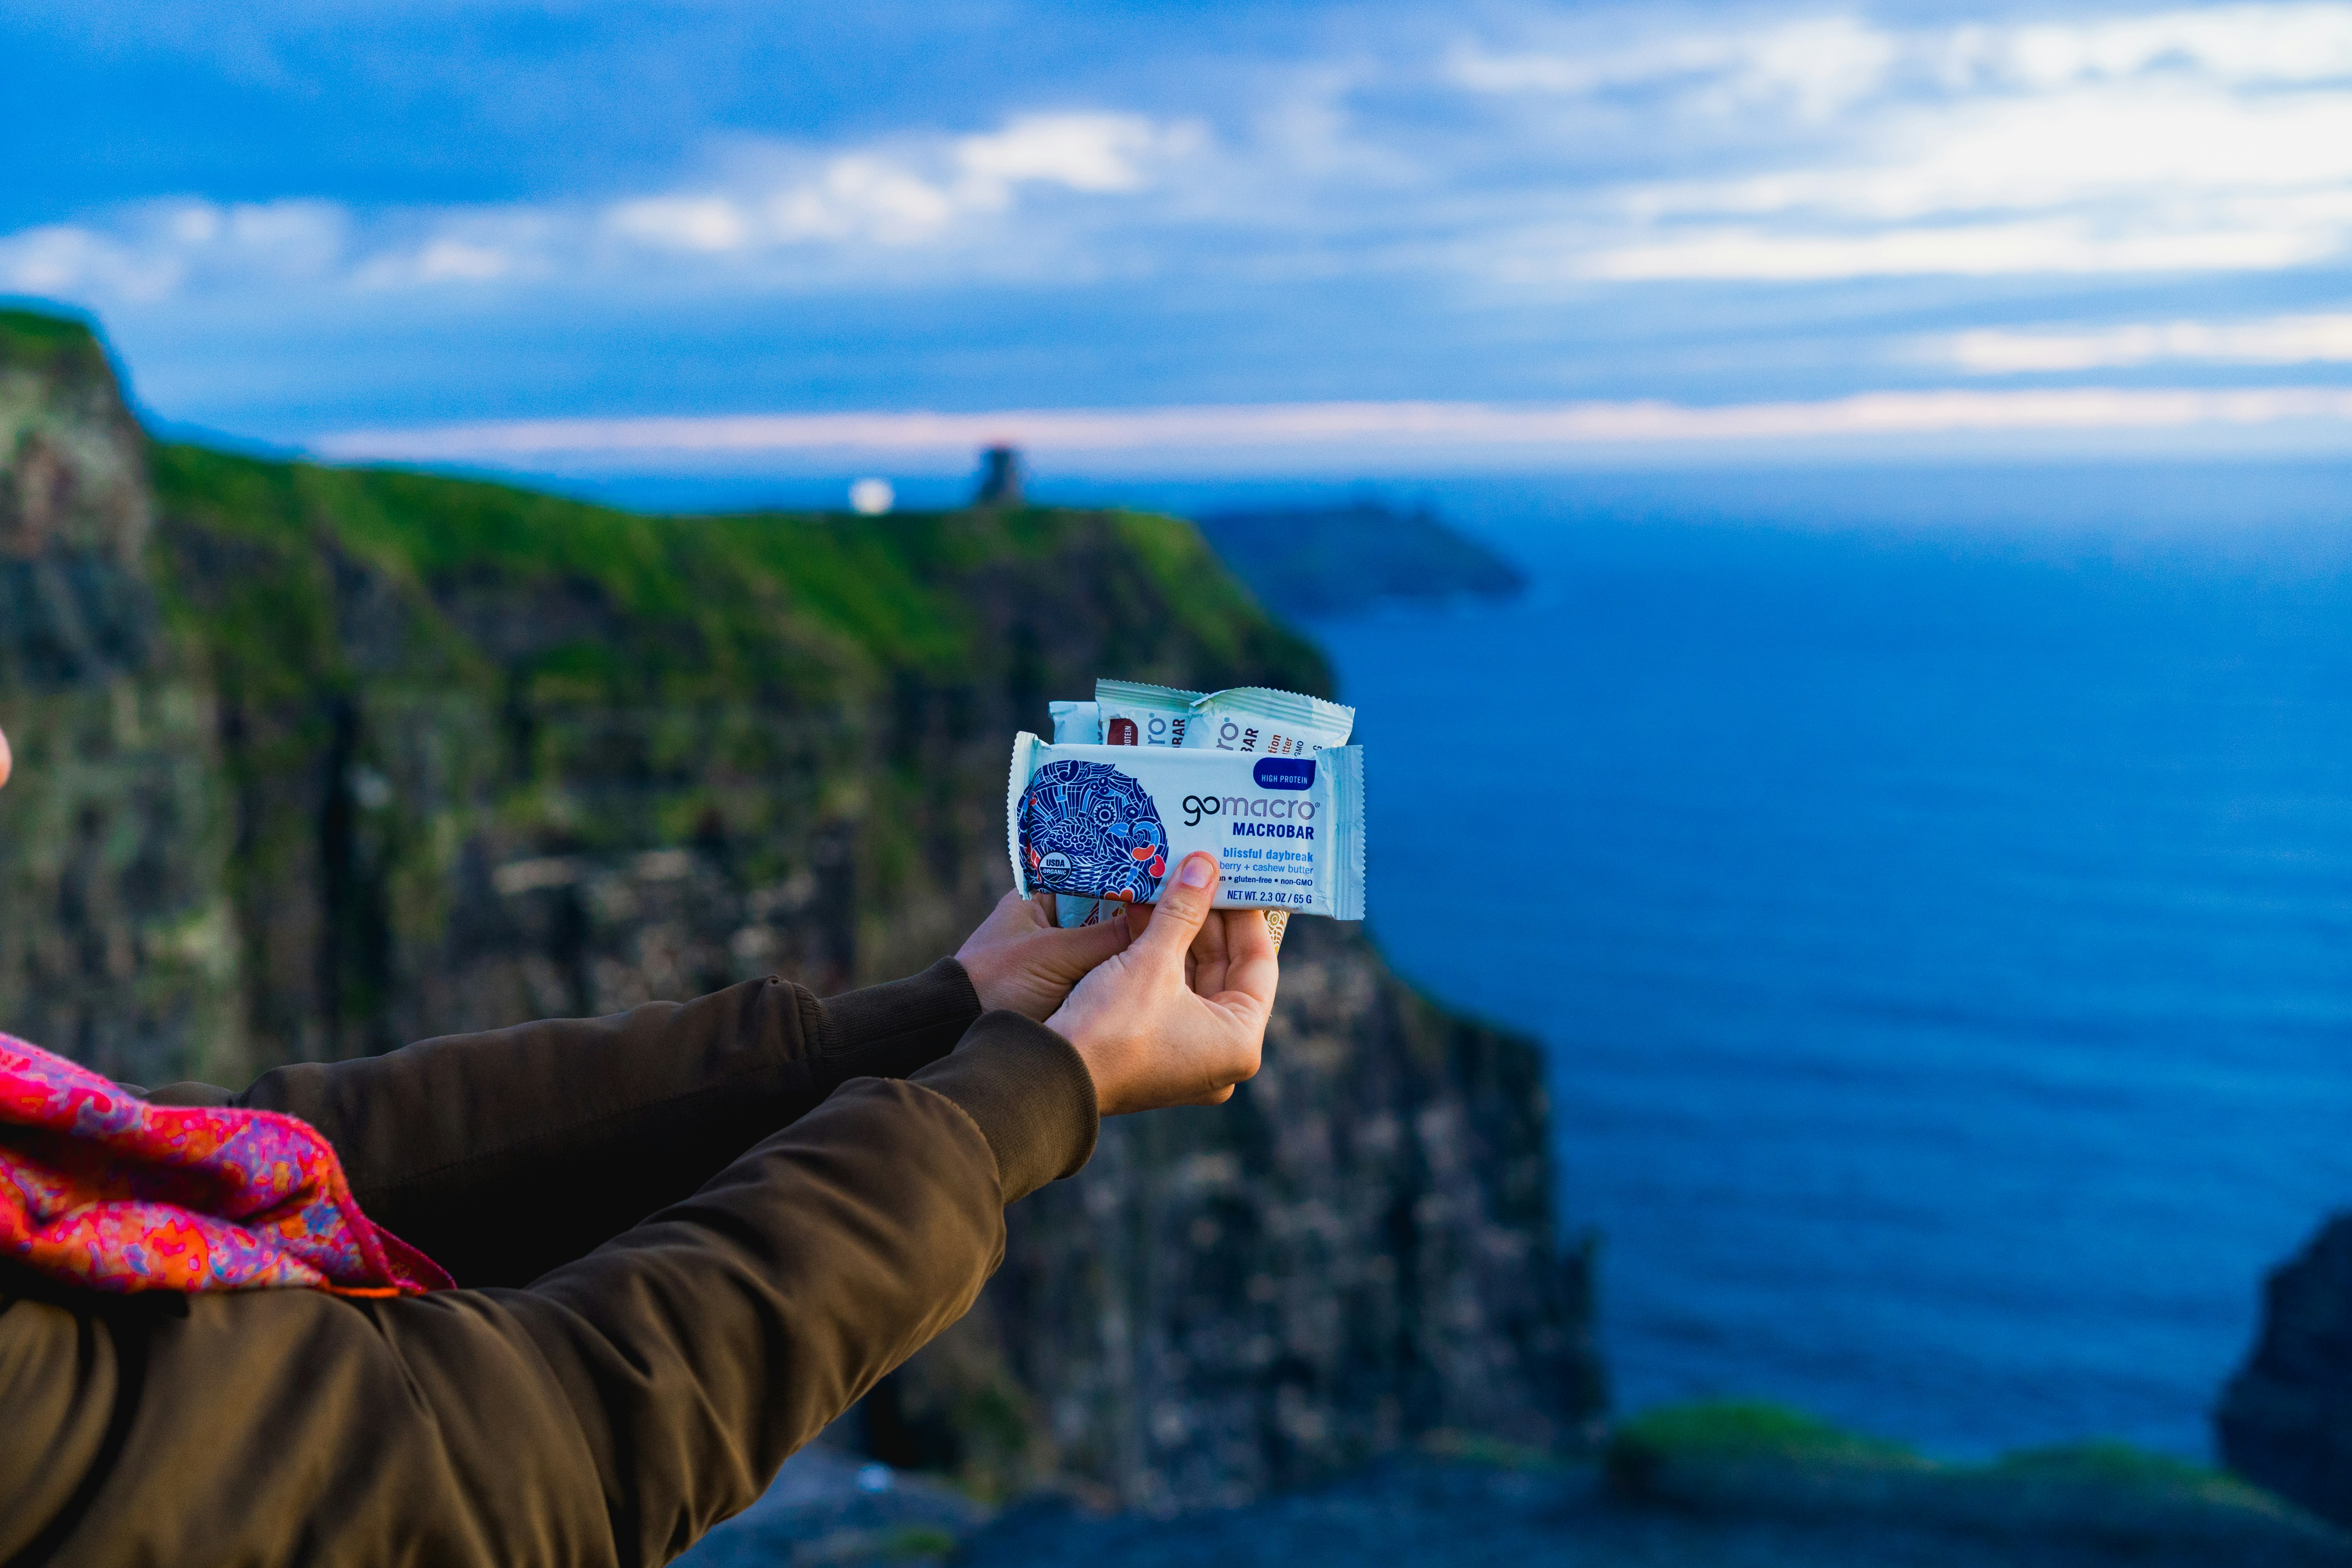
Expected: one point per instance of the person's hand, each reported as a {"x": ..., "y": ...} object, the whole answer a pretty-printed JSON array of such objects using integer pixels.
[
  {"x": 1018, "y": 959},
  {"x": 1179, "y": 1017},
  {"x": 4, "y": 758}
]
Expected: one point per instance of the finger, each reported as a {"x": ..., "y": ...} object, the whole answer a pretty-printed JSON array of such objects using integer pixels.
[
  {"x": 1044, "y": 905},
  {"x": 1208, "y": 956},
  {"x": 1083, "y": 947},
  {"x": 1251, "y": 969},
  {"x": 1209, "y": 943},
  {"x": 1012, "y": 912},
  {"x": 1183, "y": 905}
]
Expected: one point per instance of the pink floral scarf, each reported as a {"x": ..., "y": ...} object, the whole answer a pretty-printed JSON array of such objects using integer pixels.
[{"x": 100, "y": 1189}]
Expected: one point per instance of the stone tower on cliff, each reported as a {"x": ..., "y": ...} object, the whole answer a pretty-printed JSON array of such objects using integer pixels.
[{"x": 1000, "y": 477}]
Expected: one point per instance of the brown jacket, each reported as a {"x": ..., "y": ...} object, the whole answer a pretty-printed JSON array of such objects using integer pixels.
[{"x": 687, "y": 1237}]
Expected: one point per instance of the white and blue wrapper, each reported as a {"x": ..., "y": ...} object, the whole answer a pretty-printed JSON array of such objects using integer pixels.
[
  {"x": 1257, "y": 719},
  {"x": 1131, "y": 714},
  {"x": 1265, "y": 721},
  {"x": 1112, "y": 823},
  {"x": 1077, "y": 724}
]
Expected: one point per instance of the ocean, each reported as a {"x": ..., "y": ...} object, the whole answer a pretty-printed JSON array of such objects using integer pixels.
[
  {"x": 1933, "y": 892},
  {"x": 1932, "y": 889}
]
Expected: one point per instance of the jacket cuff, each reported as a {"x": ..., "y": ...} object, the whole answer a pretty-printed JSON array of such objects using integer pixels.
[
  {"x": 1030, "y": 1094},
  {"x": 893, "y": 1030}
]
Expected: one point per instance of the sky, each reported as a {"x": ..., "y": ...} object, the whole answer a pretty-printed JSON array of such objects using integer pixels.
[{"x": 717, "y": 237}]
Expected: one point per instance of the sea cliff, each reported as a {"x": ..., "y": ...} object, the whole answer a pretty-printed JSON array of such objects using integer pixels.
[
  {"x": 2286, "y": 1419},
  {"x": 313, "y": 762}
]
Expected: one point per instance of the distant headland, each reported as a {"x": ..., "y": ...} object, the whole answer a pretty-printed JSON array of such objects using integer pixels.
[{"x": 1331, "y": 559}]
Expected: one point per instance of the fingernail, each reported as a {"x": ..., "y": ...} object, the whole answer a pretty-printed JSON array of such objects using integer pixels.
[{"x": 1197, "y": 869}]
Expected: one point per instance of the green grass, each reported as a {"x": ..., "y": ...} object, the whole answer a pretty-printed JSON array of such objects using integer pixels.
[
  {"x": 918, "y": 1540},
  {"x": 2108, "y": 1462},
  {"x": 1700, "y": 1435},
  {"x": 1477, "y": 1449},
  {"x": 56, "y": 344},
  {"x": 725, "y": 598},
  {"x": 1752, "y": 1428},
  {"x": 40, "y": 330}
]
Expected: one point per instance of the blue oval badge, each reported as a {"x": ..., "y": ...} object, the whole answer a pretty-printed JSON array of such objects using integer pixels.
[{"x": 1284, "y": 772}]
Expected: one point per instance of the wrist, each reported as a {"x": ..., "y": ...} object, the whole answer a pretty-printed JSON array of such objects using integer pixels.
[
  {"x": 983, "y": 975},
  {"x": 1072, "y": 1029}
]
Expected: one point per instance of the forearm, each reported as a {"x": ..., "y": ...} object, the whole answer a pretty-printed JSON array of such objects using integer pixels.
[
  {"x": 504, "y": 1153},
  {"x": 622, "y": 1404},
  {"x": 701, "y": 1348}
]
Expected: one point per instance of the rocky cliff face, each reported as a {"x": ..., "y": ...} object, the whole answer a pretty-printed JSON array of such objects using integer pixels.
[
  {"x": 1357, "y": 1250},
  {"x": 2285, "y": 1420},
  {"x": 315, "y": 762},
  {"x": 115, "y": 940}
]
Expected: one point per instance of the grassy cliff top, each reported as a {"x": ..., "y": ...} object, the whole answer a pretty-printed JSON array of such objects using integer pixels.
[
  {"x": 641, "y": 606},
  {"x": 1746, "y": 1457},
  {"x": 38, "y": 340},
  {"x": 35, "y": 332},
  {"x": 678, "y": 606}
]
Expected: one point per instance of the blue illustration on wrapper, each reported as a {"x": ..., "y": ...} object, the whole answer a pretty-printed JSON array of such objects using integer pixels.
[{"x": 1087, "y": 828}]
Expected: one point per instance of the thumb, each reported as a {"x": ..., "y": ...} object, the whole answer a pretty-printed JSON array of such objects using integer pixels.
[{"x": 1183, "y": 905}]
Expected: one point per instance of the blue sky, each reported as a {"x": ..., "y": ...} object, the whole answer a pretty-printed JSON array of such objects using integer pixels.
[{"x": 717, "y": 237}]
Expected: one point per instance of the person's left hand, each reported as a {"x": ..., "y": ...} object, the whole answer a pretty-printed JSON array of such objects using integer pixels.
[{"x": 1019, "y": 958}]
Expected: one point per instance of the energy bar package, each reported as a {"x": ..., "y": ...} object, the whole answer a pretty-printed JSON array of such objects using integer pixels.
[
  {"x": 1112, "y": 823},
  {"x": 1076, "y": 724},
  {"x": 1266, "y": 722},
  {"x": 1134, "y": 714},
  {"x": 1258, "y": 720}
]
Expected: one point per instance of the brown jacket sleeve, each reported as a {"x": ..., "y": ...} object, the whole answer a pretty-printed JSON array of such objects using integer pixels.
[
  {"x": 505, "y": 1153},
  {"x": 607, "y": 1415}
]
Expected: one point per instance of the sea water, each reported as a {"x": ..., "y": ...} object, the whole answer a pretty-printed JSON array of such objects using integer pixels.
[{"x": 1933, "y": 891}]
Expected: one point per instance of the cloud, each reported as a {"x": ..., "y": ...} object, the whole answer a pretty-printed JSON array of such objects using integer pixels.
[
  {"x": 2275, "y": 340},
  {"x": 1382, "y": 428},
  {"x": 1816, "y": 66},
  {"x": 1083, "y": 152},
  {"x": 1822, "y": 147},
  {"x": 1523, "y": 197},
  {"x": 909, "y": 192},
  {"x": 2216, "y": 141},
  {"x": 155, "y": 249},
  {"x": 2242, "y": 44},
  {"x": 68, "y": 261},
  {"x": 683, "y": 223},
  {"x": 908, "y": 195},
  {"x": 1986, "y": 250},
  {"x": 1822, "y": 63}
]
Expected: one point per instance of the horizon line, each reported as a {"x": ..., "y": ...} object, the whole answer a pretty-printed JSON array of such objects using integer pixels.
[{"x": 1428, "y": 423}]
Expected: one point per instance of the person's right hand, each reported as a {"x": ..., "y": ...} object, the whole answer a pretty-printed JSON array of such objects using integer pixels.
[{"x": 1179, "y": 1017}]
